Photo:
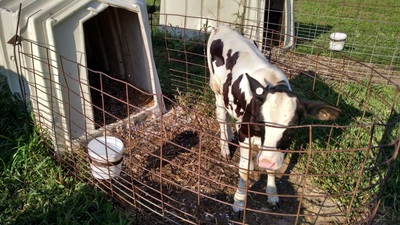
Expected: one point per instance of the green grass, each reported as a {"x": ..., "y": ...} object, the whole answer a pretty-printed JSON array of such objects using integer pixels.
[
  {"x": 371, "y": 27},
  {"x": 360, "y": 127},
  {"x": 368, "y": 40},
  {"x": 180, "y": 61},
  {"x": 34, "y": 188}
]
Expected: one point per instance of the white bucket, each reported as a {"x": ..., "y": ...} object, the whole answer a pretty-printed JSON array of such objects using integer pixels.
[
  {"x": 105, "y": 157},
  {"x": 337, "y": 41}
]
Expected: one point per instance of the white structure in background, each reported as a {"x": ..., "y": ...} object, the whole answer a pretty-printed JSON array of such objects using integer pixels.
[
  {"x": 64, "y": 102},
  {"x": 254, "y": 15}
]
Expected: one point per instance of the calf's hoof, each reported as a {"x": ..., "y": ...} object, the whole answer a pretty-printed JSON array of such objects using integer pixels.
[
  {"x": 272, "y": 199},
  {"x": 238, "y": 206},
  {"x": 225, "y": 152}
]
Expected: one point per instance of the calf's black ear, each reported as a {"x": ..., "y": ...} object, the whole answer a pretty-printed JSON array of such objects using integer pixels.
[
  {"x": 320, "y": 110},
  {"x": 258, "y": 90}
]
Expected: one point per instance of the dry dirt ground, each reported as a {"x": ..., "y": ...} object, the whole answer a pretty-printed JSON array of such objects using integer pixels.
[{"x": 173, "y": 172}]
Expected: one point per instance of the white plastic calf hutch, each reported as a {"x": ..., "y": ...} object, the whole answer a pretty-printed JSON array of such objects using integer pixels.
[
  {"x": 274, "y": 17},
  {"x": 62, "y": 40}
]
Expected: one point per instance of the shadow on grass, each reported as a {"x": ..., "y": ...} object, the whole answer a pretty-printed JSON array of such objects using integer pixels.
[
  {"x": 390, "y": 146},
  {"x": 15, "y": 122},
  {"x": 357, "y": 145},
  {"x": 308, "y": 32},
  {"x": 77, "y": 204}
]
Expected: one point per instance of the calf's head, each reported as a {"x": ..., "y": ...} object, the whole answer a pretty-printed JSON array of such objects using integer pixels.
[{"x": 270, "y": 113}]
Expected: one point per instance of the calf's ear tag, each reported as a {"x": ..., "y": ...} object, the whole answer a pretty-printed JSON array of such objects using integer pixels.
[{"x": 259, "y": 90}]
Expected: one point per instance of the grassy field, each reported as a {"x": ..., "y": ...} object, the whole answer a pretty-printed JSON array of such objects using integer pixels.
[
  {"x": 372, "y": 28},
  {"x": 373, "y": 34},
  {"x": 341, "y": 166},
  {"x": 34, "y": 188}
]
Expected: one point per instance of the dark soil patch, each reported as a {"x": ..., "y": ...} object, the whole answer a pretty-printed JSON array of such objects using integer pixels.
[{"x": 114, "y": 99}]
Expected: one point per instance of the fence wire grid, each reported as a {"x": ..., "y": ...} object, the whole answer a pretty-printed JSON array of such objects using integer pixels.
[{"x": 172, "y": 171}]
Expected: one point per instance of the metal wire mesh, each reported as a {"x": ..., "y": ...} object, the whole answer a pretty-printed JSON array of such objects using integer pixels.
[
  {"x": 368, "y": 40},
  {"x": 172, "y": 171}
]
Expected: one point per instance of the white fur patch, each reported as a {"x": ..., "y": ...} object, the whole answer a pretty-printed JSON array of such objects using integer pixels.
[{"x": 279, "y": 109}]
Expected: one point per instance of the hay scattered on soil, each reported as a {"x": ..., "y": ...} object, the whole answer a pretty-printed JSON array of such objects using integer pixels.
[{"x": 193, "y": 182}]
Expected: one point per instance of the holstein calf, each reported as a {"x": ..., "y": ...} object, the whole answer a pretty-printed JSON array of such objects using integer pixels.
[{"x": 258, "y": 95}]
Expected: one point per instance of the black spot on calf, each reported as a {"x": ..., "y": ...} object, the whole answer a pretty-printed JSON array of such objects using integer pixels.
[
  {"x": 238, "y": 97},
  {"x": 225, "y": 89},
  {"x": 231, "y": 59},
  {"x": 216, "y": 49}
]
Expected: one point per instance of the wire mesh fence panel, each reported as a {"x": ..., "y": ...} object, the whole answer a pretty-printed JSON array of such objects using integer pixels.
[
  {"x": 369, "y": 27},
  {"x": 172, "y": 171}
]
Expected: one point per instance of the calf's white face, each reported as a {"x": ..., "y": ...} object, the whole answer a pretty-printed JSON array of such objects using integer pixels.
[
  {"x": 258, "y": 95},
  {"x": 279, "y": 111},
  {"x": 270, "y": 111}
]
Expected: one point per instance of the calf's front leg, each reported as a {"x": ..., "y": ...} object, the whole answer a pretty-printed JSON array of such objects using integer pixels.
[
  {"x": 245, "y": 167},
  {"x": 223, "y": 119},
  {"x": 271, "y": 188}
]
